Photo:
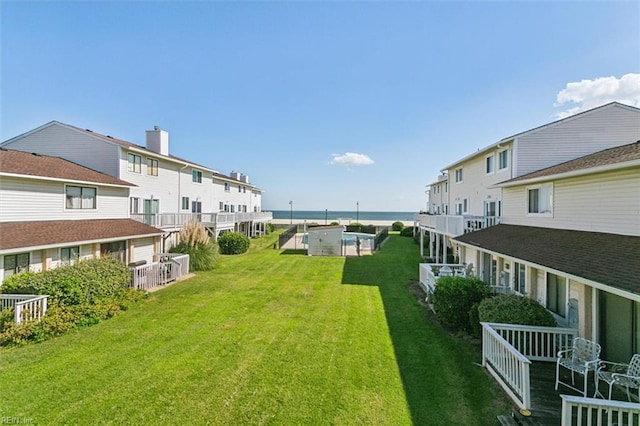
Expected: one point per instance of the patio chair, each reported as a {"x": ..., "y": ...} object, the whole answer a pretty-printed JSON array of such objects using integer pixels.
[
  {"x": 618, "y": 374},
  {"x": 581, "y": 358}
]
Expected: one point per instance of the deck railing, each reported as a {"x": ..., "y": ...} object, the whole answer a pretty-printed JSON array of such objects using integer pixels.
[
  {"x": 27, "y": 307},
  {"x": 176, "y": 220},
  {"x": 507, "y": 351},
  {"x": 455, "y": 225},
  {"x": 430, "y": 272},
  {"x": 580, "y": 411},
  {"x": 171, "y": 267}
]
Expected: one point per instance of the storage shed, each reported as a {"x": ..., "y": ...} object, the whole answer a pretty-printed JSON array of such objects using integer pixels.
[{"x": 325, "y": 240}]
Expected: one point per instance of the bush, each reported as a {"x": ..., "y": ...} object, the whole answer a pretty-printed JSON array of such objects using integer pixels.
[
  {"x": 270, "y": 228},
  {"x": 233, "y": 243},
  {"x": 454, "y": 297},
  {"x": 407, "y": 231},
  {"x": 397, "y": 226},
  {"x": 85, "y": 282},
  {"x": 202, "y": 257},
  {"x": 334, "y": 223},
  {"x": 513, "y": 309}
]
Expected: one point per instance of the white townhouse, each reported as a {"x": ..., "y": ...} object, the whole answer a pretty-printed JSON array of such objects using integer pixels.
[
  {"x": 438, "y": 195},
  {"x": 570, "y": 239},
  {"x": 473, "y": 199},
  {"x": 54, "y": 212},
  {"x": 168, "y": 190}
]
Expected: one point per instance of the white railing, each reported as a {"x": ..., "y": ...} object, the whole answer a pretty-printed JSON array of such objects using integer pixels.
[
  {"x": 504, "y": 347},
  {"x": 171, "y": 267},
  {"x": 580, "y": 411},
  {"x": 176, "y": 220},
  {"x": 430, "y": 272},
  {"x": 534, "y": 342},
  {"x": 27, "y": 307},
  {"x": 455, "y": 225}
]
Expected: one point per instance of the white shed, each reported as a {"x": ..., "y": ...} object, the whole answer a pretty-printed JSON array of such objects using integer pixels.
[{"x": 325, "y": 240}]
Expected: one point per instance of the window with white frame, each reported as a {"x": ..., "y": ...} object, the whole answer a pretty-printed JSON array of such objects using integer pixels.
[
  {"x": 239, "y": 188},
  {"x": 134, "y": 205},
  {"x": 557, "y": 294},
  {"x": 185, "y": 203},
  {"x": 69, "y": 255},
  {"x": 15, "y": 263},
  {"x": 503, "y": 159},
  {"x": 520, "y": 278},
  {"x": 196, "y": 176},
  {"x": 540, "y": 200},
  {"x": 152, "y": 167},
  {"x": 489, "y": 164},
  {"x": 221, "y": 208},
  {"x": 134, "y": 163},
  {"x": 458, "y": 208},
  {"x": 446, "y": 186},
  {"x": 80, "y": 197},
  {"x": 458, "y": 175},
  {"x": 227, "y": 186},
  {"x": 465, "y": 206}
]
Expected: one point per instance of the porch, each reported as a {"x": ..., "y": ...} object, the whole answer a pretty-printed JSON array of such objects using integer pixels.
[
  {"x": 168, "y": 268},
  {"x": 509, "y": 352},
  {"x": 216, "y": 221},
  {"x": 455, "y": 225}
]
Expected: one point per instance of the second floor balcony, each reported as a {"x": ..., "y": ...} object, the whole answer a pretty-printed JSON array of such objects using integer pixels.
[
  {"x": 455, "y": 225},
  {"x": 218, "y": 220}
]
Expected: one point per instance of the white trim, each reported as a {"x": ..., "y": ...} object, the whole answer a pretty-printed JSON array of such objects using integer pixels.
[
  {"x": 53, "y": 179},
  {"x": 72, "y": 243}
]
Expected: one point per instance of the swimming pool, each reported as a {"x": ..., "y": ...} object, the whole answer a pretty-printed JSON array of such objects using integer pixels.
[{"x": 348, "y": 238}]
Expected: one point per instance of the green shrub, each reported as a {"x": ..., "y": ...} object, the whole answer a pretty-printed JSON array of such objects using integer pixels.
[
  {"x": 407, "y": 231},
  {"x": 513, "y": 309},
  {"x": 233, "y": 243},
  {"x": 397, "y": 226},
  {"x": 202, "y": 257},
  {"x": 270, "y": 228},
  {"x": 454, "y": 297},
  {"x": 334, "y": 223}
]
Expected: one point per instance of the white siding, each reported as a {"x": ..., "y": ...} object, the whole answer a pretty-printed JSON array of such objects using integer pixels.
[
  {"x": 60, "y": 141},
  {"x": 606, "y": 202},
  {"x": 234, "y": 197},
  {"x": 143, "y": 249},
  {"x": 585, "y": 134},
  {"x": 32, "y": 199}
]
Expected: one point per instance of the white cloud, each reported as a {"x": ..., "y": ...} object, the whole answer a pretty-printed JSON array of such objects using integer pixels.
[
  {"x": 351, "y": 159},
  {"x": 589, "y": 94}
]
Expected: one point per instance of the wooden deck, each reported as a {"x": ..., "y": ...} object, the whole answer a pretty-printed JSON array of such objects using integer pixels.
[{"x": 545, "y": 400}]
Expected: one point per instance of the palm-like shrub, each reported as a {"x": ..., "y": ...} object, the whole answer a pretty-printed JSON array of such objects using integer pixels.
[
  {"x": 233, "y": 243},
  {"x": 195, "y": 241}
]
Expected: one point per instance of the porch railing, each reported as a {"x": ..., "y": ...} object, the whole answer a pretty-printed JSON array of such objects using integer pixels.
[
  {"x": 171, "y": 267},
  {"x": 176, "y": 220},
  {"x": 503, "y": 354},
  {"x": 580, "y": 411},
  {"x": 455, "y": 225},
  {"x": 27, "y": 307},
  {"x": 430, "y": 272}
]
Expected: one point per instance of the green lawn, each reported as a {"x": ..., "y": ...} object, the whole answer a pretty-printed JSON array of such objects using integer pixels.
[{"x": 269, "y": 337}]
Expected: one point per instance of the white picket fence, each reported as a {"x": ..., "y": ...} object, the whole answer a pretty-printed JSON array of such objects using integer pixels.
[
  {"x": 27, "y": 307},
  {"x": 507, "y": 351},
  {"x": 578, "y": 411}
]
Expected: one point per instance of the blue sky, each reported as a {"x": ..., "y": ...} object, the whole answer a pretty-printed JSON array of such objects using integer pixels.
[{"x": 287, "y": 92}]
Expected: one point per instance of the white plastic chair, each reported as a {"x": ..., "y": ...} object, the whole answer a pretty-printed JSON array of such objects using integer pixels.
[
  {"x": 618, "y": 374},
  {"x": 581, "y": 358}
]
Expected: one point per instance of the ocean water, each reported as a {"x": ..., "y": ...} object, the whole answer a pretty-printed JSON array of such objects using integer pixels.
[{"x": 329, "y": 215}]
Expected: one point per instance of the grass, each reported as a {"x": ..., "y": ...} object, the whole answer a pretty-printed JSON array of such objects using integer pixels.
[{"x": 268, "y": 337}]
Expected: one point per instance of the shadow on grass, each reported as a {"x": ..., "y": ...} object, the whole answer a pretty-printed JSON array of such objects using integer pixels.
[
  {"x": 292, "y": 251},
  {"x": 437, "y": 371}
]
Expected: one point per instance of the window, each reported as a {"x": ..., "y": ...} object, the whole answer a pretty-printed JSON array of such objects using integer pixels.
[
  {"x": 80, "y": 197},
  {"x": 227, "y": 186},
  {"x": 540, "y": 200},
  {"x": 520, "y": 278},
  {"x": 152, "y": 167},
  {"x": 459, "y": 175},
  {"x": 196, "y": 207},
  {"x": 458, "y": 208},
  {"x": 557, "y": 294},
  {"x": 446, "y": 186},
  {"x": 135, "y": 163},
  {"x": 69, "y": 255},
  {"x": 116, "y": 250},
  {"x": 244, "y": 189},
  {"x": 185, "y": 203},
  {"x": 221, "y": 206},
  {"x": 489, "y": 163},
  {"x": 233, "y": 208},
  {"x": 503, "y": 159},
  {"x": 134, "y": 205},
  {"x": 15, "y": 263},
  {"x": 465, "y": 205},
  {"x": 239, "y": 188},
  {"x": 196, "y": 176}
]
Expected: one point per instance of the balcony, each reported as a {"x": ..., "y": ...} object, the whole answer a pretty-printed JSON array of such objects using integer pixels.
[
  {"x": 455, "y": 225},
  {"x": 217, "y": 220}
]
